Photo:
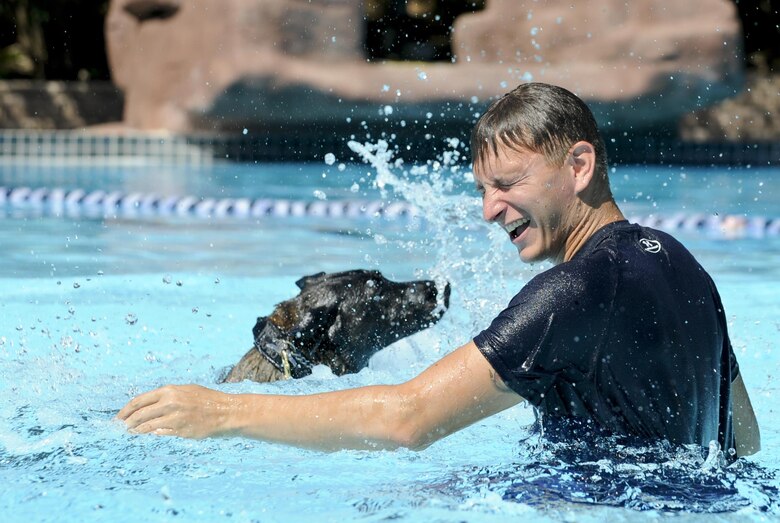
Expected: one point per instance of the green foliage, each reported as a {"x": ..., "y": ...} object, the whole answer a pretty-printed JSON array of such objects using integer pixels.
[{"x": 53, "y": 39}]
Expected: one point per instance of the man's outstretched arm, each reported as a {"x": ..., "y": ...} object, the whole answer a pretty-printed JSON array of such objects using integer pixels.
[{"x": 455, "y": 392}]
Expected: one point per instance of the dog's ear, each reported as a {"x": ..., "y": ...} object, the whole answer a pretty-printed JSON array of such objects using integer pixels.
[{"x": 303, "y": 282}]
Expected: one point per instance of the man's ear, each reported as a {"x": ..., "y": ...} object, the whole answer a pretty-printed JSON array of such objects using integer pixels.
[{"x": 582, "y": 159}]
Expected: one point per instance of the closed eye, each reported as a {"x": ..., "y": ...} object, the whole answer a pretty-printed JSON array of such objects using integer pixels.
[
  {"x": 506, "y": 184},
  {"x": 500, "y": 186}
]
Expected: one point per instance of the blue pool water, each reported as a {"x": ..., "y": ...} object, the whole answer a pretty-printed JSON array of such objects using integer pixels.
[{"x": 94, "y": 311}]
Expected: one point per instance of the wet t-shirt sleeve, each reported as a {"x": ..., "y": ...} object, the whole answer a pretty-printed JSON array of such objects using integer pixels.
[
  {"x": 552, "y": 329},
  {"x": 733, "y": 362}
]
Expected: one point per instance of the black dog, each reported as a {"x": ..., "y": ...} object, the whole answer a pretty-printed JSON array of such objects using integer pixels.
[{"x": 339, "y": 320}]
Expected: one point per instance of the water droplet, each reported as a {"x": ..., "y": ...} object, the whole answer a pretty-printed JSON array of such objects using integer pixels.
[
  {"x": 320, "y": 195},
  {"x": 330, "y": 159},
  {"x": 246, "y": 131},
  {"x": 167, "y": 279},
  {"x": 388, "y": 110},
  {"x": 342, "y": 167},
  {"x": 194, "y": 310},
  {"x": 76, "y": 285},
  {"x": 179, "y": 283},
  {"x": 131, "y": 319},
  {"x": 422, "y": 75}
]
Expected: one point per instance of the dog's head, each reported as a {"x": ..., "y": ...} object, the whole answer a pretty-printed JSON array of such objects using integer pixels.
[{"x": 342, "y": 319}]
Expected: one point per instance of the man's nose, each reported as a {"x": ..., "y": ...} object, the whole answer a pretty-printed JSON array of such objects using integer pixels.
[{"x": 492, "y": 207}]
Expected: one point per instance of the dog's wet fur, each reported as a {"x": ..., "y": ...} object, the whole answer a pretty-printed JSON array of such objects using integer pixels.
[{"x": 341, "y": 320}]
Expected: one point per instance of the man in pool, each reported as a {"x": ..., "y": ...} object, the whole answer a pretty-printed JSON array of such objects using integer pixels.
[{"x": 626, "y": 334}]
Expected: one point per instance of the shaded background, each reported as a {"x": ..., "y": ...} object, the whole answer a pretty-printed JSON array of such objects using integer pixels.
[
  {"x": 62, "y": 42},
  {"x": 64, "y": 39}
]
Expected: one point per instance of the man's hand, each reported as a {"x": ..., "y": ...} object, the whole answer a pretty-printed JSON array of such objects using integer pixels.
[{"x": 189, "y": 411}]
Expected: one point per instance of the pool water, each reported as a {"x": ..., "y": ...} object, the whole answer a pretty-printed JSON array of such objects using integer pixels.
[{"x": 94, "y": 311}]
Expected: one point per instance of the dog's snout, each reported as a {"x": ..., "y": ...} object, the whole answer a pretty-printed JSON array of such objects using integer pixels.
[{"x": 436, "y": 295}]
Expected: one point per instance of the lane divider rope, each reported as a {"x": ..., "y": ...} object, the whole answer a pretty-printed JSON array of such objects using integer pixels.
[
  {"x": 115, "y": 203},
  {"x": 78, "y": 202}
]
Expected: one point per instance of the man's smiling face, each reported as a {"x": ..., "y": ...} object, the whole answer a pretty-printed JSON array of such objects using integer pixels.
[{"x": 530, "y": 199}]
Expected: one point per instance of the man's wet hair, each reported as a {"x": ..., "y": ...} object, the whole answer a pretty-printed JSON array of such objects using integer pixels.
[{"x": 541, "y": 118}]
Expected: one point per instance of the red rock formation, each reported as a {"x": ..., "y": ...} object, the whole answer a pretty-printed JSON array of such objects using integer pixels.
[{"x": 206, "y": 64}]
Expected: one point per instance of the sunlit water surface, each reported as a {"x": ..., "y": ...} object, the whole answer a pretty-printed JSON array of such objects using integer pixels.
[{"x": 95, "y": 311}]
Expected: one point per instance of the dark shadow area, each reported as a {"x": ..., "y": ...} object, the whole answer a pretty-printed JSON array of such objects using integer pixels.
[
  {"x": 53, "y": 40},
  {"x": 761, "y": 33},
  {"x": 413, "y": 30}
]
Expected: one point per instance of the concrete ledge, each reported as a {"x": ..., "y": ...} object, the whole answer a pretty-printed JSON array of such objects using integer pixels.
[{"x": 67, "y": 147}]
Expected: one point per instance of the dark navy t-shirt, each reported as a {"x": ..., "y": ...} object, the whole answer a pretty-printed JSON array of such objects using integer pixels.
[{"x": 630, "y": 334}]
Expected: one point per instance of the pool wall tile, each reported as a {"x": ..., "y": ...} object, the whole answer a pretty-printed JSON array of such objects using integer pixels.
[{"x": 44, "y": 147}]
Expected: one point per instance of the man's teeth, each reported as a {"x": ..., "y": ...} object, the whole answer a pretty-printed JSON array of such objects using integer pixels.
[{"x": 510, "y": 227}]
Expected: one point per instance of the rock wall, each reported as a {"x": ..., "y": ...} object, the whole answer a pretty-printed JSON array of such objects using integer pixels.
[
  {"x": 230, "y": 64},
  {"x": 751, "y": 116}
]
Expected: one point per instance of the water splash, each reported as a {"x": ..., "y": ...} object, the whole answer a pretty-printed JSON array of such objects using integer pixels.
[
  {"x": 607, "y": 472},
  {"x": 461, "y": 246}
]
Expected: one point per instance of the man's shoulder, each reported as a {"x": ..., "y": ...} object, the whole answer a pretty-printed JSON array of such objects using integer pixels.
[
  {"x": 589, "y": 276},
  {"x": 638, "y": 238},
  {"x": 623, "y": 242}
]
